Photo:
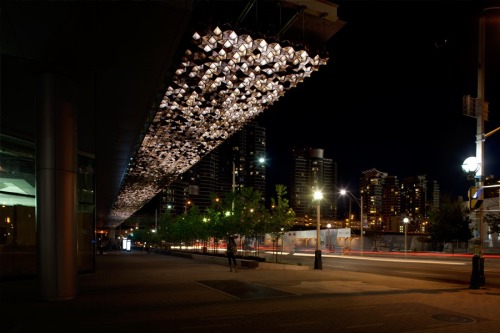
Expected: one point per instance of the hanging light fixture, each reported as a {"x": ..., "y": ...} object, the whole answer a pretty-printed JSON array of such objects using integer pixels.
[{"x": 224, "y": 80}]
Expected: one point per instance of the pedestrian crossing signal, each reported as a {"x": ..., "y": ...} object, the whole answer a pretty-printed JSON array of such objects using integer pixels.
[{"x": 476, "y": 197}]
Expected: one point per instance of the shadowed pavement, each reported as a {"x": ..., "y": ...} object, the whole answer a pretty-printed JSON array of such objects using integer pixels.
[{"x": 134, "y": 291}]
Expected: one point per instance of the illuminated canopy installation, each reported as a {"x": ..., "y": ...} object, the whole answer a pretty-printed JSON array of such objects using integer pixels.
[{"x": 224, "y": 80}]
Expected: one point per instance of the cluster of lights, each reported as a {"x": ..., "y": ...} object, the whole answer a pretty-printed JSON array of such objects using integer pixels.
[{"x": 224, "y": 81}]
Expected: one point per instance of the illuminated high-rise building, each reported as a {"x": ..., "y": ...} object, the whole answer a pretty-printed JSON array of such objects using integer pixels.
[
  {"x": 387, "y": 201},
  {"x": 241, "y": 155},
  {"x": 311, "y": 171}
]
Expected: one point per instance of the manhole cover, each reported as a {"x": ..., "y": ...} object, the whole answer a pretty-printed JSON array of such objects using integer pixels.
[{"x": 450, "y": 318}]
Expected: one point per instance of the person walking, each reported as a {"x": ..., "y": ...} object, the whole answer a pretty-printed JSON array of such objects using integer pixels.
[{"x": 231, "y": 250}]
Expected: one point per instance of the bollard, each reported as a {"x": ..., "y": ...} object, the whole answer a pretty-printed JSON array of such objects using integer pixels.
[
  {"x": 477, "y": 276},
  {"x": 482, "y": 279}
]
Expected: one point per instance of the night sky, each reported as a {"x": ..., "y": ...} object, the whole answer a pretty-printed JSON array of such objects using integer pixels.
[{"x": 391, "y": 96}]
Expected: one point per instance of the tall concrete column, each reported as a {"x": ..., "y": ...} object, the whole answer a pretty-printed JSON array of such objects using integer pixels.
[{"x": 56, "y": 178}]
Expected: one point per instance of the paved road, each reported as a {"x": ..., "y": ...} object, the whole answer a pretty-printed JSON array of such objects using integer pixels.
[{"x": 137, "y": 292}]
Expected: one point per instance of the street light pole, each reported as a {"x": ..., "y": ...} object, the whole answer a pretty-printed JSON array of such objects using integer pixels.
[
  {"x": 233, "y": 186},
  {"x": 329, "y": 239},
  {"x": 478, "y": 108},
  {"x": 480, "y": 125},
  {"x": 361, "y": 222},
  {"x": 480, "y": 112},
  {"x": 471, "y": 167},
  {"x": 405, "y": 222},
  {"x": 349, "y": 212},
  {"x": 317, "y": 254},
  {"x": 362, "y": 225},
  {"x": 282, "y": 235}
]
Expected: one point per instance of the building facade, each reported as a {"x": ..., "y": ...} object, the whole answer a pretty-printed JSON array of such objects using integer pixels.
[
  {"x": 311, "y": 171},
  {"x": 387, "y": 201},
  {"x": 236, "y": 163}
]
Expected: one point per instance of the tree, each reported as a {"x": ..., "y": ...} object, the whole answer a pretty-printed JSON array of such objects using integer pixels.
[
  {"x": 163, "y": 231},
  {"x": 282, "y": 217},
  {"x": 493, "y": 221},
  {"x": 215, "y": 217},
  {"x": 450, "y": 222},
  {"x": 249, "y": 210},
  {"x": 239, "y": 212}
]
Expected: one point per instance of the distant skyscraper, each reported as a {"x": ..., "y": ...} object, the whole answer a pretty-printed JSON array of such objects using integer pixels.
[
  {"x": 372, "y": 189},
  {"x": 387, "y": 201},
  {"x": 391, "y": 204},
  {"x": 239, "y": 156},
  {"x": 418, "y": 197},
  {"x": 311, "y": 172},
  {"x": 248, "y": 150}
]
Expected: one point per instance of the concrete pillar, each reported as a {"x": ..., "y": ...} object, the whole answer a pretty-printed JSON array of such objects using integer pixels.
[{"x": 56, "y": 178}]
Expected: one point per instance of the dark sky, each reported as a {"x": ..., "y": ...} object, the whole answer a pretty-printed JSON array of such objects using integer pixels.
[{"x": 391, "y": 96}]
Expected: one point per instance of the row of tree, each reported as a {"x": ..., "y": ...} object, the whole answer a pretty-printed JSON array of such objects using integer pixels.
[{"x": 238, "y": 213}]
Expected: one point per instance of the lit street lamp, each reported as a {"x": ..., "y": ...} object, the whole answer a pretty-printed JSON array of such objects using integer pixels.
[
  {"x": 405, "y": 222},
  {"x": 360, "y": 204},
  {"x": 317, "y": 254},
  {"x": 472, "y": 167}
]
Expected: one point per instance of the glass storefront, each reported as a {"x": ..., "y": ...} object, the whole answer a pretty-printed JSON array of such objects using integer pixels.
[{"x": 18, "y": 241}]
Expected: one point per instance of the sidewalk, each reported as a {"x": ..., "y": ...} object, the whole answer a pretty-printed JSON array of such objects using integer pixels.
[{"x": 137, "y": 292}]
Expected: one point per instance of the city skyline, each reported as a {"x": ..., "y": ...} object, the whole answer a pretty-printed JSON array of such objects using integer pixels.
[{"x": 390, "y": 97}]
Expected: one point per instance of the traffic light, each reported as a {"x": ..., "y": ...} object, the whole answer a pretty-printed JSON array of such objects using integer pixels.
[{"x": 476, "y": 197}]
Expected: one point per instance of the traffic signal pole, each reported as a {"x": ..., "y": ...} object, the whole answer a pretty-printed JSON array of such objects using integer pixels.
[
  {"x": 481, "y": 113},
  {"x": 477, "y": 276}
]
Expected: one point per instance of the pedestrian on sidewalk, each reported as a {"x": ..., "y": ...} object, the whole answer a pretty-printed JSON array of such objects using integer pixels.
[{"x": 231, "y": 250}]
